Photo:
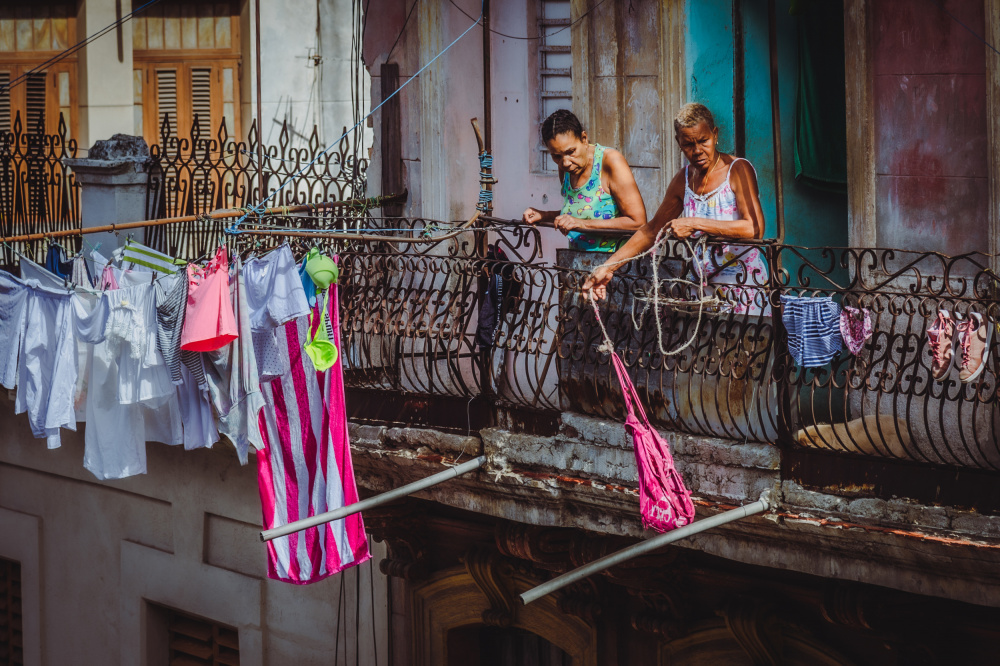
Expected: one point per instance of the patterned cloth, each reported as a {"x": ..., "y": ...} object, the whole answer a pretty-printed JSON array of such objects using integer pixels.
[
  {"x": 727, "y": 264},
  {"x": 855, "y": 327},
  {"x": 591, "y": 202},
  {"x": 813, "y": 325},
  {"x": 305, "y": 466}
]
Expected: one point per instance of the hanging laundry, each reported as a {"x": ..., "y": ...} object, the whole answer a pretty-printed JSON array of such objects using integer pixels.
[
  {"x": 13, "y": 299},
  {"x": 276, "y": 296},
  {"x": 81, "y": 274},
  {"x": 109, "y": 279},
  {"x": 308, "y": 286},
  {"x": 305, "y": 466},
  {"x": 90, "y": 317},
  {"x": 813, "y": 326},
  {"x": 233, "y": 379},
  {"x": 209, "y": 321},
  {"x": 146, "y": 258},
  {"x": 974, "y": 336},
  {"x": 47, "y": 366},
  {"x": 56, "y": 262},
  {"x": 501, "y": 291},
  {"x": 131, "y": 398},
  {"x": 321, "y": 351},
  {"x": 664, "y": 501},
  {"x": 855, "y": 327},
  {"x": 186, "y": 368}
]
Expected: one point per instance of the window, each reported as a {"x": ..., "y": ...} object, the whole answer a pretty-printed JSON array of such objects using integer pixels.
[
  {"x": 186, "y": 57},
  {"x": 555, "y": 65},
  {"x": 195, "y": 641},
  {"x": 30, "y": 34},
  {"x": 11, "y": 638}
]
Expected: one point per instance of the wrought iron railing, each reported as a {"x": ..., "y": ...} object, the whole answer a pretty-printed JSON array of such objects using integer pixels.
[
  {"x": 38, "y": 192},
  {"x": 410, "y": 321},
  {"x": 205, "y": 171}
]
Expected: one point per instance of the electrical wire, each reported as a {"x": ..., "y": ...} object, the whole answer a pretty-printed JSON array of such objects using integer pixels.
[
  {"x": 958, "y": 21},
  {"x": 255, "y": 208},
  {"x": 403, "y": 29},
  {"x": 73, "y": 49},
  {"x": 567, "y": 27}
]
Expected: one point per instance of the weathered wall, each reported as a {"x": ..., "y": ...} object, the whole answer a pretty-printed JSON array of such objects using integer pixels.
[{"x": 185, "y": 536}]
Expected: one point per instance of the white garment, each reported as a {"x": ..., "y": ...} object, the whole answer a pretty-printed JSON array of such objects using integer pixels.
[
  {"x": 13, "y": 298},
  {"x": 90, "y": 316},
  {"x": 130, "y": 398},
  {"x": 275, "y": 297},
  {"x": 47, "y": 367},
  {"x": 233, "y": 382}
]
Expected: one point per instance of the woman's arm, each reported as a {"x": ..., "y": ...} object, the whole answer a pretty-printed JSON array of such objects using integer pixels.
[
  {"x": 621, "y": 186},
  {"x": 642, "y": 240},
  {"x": 751, "y": 222}
]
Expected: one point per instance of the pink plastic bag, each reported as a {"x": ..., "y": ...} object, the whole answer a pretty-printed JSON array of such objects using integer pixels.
[{"x": 664, "y": 502}]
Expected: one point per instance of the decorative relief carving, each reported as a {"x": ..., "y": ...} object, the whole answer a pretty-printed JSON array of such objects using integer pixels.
[
  {"x": 756, "y": 629},
  {"x": 490, "y": 572}
]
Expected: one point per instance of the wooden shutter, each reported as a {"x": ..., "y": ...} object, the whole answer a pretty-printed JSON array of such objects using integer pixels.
[
  {"x": 34, "y": 89},
  {"x": 11, "y": 638},
  {"x": 166, "y": 99},
  {"x": 195, "y": 641},
  {"x": 201, "y": 100},
  {"x": 5, "y": 114}
]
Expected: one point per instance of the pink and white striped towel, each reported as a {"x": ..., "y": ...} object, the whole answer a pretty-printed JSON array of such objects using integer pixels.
[{"x": 305, "y": 466}]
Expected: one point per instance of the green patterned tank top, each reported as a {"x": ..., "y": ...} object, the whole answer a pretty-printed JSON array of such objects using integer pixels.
[{"x": 591, "y": 202}]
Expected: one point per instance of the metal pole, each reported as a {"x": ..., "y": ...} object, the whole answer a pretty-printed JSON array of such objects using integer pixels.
[
  {"x": 372, "y": 502},
  {"x": 260, "y": 126},
  {"x": 644, "y": 547}
]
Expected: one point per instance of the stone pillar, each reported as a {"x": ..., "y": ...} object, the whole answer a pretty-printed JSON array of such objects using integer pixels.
[
  {"x": 114, "y": 177},
  {"x": 105, "y": 70}
]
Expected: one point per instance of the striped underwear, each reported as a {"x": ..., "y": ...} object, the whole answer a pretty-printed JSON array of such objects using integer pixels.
[{"x": 813, "y": 325}]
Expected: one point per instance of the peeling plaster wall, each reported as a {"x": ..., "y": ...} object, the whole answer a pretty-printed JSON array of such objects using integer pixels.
[{"x": 185, "y": 535}]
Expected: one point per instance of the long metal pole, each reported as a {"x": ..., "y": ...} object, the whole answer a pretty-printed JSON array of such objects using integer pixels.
[
  {"x": 779, "y": 190},
  {"x": 260, "y": 126},
  {"x": 225, "y": 213},
  {"x": 371, "y": 502},
  {"x": 644, "y": 547}
]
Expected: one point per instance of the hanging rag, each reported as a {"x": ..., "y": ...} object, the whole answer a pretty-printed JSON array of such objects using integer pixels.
[
  {"x": 855, "y": 327},
  {"x": 56, "y": 262},
  {"x": 664, "y": 501},
  {"x": 318, "y": 346},
  {"x": 501, "y": 292},
  {"x": 147, "y": 259},
  {"x": 813, "y": 326}
]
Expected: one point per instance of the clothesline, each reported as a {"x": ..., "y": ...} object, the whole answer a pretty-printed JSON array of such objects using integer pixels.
[{"x": 222, "y": 214}]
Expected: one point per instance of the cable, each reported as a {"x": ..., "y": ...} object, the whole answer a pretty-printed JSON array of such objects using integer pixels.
[
  {"x": 235, "y": 227},
  {"x": 503, "y": 34},
  {"x": 73, "y": 49},
  {"x": 403, "y": 29},
  {"x": 958, "y": 21}
]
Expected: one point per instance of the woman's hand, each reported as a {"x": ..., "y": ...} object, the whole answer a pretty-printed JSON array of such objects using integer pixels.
[
  {"x": 598, "y": 282},
  {"x": 531, "y": 216},
  {"x": 682, "y": 227},
  {"x": 567, "y": 223}
]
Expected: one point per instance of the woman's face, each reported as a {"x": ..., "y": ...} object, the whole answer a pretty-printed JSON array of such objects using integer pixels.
[
  {"x": 569, "y": 151},
  {"x": 698, "y": 144}
]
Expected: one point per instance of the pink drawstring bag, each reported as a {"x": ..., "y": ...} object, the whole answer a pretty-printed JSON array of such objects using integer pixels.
[{"x": 664, "y": 502}]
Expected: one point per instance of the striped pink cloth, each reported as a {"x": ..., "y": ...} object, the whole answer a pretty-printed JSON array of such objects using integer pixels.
[{"x": 305, "y": 466}]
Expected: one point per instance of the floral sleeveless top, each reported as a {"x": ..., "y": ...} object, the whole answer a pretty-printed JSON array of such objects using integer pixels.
[
  {"x": 591, "y": 202},
  {"x": 738, "y": 272}
]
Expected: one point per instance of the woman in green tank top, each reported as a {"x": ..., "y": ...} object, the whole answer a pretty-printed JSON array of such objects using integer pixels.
[{"x": 601, "y": 202}]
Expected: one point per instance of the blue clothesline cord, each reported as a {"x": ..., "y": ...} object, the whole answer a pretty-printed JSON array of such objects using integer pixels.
[{"x": 259, "y": 206}]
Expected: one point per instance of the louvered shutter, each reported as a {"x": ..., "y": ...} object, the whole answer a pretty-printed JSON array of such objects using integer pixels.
[
  {"x": 35, "y": 101},
  {"x": 11, "y": 637},
  {"x": 5, "y": 115},
  {"x": 194, "y": 641},
  {"x": 201, "y": 99},
  {"x": 166, "y": 99}
]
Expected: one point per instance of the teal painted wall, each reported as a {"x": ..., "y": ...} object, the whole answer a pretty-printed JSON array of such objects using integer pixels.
[{"x": 812, "y": 217}]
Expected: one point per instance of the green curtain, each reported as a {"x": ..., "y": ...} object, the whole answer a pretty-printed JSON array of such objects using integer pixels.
[{"x": 820, "y": 107}]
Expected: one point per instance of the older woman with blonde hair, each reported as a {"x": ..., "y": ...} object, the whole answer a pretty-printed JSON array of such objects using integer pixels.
[{"x": 714, "y": 195}]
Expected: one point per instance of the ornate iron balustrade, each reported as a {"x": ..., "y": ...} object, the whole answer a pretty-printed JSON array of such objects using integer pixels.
[
  {"x": 410, "y": 317},
  {"x": 202, "y": 172},
  {"x": 38, "y": 193}
]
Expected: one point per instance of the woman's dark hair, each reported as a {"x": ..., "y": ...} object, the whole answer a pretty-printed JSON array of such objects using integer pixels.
[{"x": 559, "y": 122}]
